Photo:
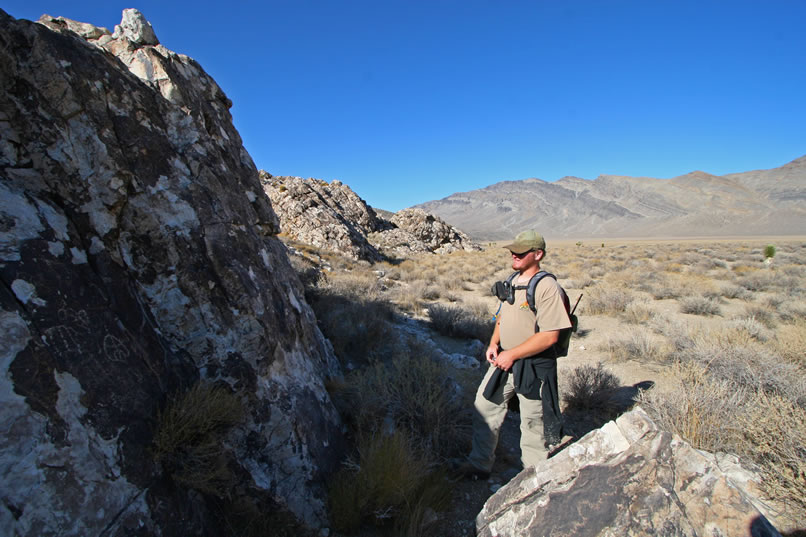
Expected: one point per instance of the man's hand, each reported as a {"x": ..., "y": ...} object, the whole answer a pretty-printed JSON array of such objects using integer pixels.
[
  {"x": 504, "y": 360},
  {"x": 492, "y": 353}
]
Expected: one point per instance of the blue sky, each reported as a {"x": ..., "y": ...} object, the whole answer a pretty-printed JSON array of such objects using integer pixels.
[{"x": 410, "y": 101}]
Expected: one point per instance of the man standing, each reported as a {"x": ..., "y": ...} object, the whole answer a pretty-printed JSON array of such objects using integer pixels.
[{"x": 523, "y": 362}]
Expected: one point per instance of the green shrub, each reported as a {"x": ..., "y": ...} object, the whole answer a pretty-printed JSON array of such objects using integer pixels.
[{"x": 769, "y": 251}]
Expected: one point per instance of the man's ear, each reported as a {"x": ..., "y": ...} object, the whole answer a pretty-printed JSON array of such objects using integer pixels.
[{"x": 539, "y": 254}]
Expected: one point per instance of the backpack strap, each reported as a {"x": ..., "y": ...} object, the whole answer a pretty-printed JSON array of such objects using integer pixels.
[{"x": 530, "y": 288}]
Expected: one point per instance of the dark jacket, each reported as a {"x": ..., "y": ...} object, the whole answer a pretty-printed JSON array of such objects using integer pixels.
[{"x": 534, "y": 378}]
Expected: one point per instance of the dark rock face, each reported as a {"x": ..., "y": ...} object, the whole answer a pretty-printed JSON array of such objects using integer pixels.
[
  {"x": 629, "y": 478},
  {"x": 138, "y": 255}
]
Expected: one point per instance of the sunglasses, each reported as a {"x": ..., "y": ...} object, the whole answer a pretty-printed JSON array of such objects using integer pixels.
[{"x": 524, "y": 254}]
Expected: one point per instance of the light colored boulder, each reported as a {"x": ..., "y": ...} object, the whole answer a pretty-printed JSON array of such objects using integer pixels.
[{"x": 628, "y": 478}]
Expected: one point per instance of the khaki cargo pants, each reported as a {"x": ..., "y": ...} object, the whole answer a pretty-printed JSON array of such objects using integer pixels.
[{"x": 489, "y": 417}]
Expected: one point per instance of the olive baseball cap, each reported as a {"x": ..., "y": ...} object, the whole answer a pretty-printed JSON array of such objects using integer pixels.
[{"x": 525, "y": 241}]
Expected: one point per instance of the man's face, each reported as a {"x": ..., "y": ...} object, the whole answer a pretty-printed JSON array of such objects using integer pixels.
[{"x": 521, "y": 262}]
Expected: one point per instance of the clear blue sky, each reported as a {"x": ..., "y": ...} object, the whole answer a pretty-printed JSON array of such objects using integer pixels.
[{"x": 408, "y": 101}]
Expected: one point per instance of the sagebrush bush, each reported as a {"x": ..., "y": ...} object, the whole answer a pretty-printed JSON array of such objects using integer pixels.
[
  {"x": 605, "y": 300},
  {"x": 735, "y": 291},
  {"x": 590, "y": 388},
  {"x": 189, "y": 442},
  {"x": 763, "y": 314},
  {"x": 699, "y": 305},
  {"x": 773, "y": 434},
  {"x": 746, "y": 364},
  {"x": 635, "y": 344}
]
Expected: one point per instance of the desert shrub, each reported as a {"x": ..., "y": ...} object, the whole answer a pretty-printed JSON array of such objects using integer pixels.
[
  {"x": 774, "y": 436},
  {"x": 735, "y": 291},
  {"x": 358, "y": 328},
  {"x": 664, "y": 289},
  {"x": 758, "y": 281},
  {"x": 189, "y": 441},
  {"x": 410, "y": 296},
  {"x": 604, "y": 300},
  {"x": 637, "y": 313},
  {"x": 717, "y": 414},
  {"x": 769, "y": 251},
  {"x": 702, "y": 409},
  {"x": 746, "y": 364},
  {"x": 432, "y": 292},
  {"x": 590, "y": 388},
  {"x": 790, "y": 343},
  {"x": 387, "y": 478},
  {"x": 460, "y": 321},
  {"x": 762, "y": 314},
  {"x": 634, "y": 344},
  {"x": 698, "y": 305},
  {"x": 409, "y": 392},
  {"x": 750, "y": 326}
]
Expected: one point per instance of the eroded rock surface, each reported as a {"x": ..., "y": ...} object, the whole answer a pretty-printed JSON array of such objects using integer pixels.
[
  {"x": 333, "y": 217},
  {"x": 138, "y": 255},
  {"x": 629, "y": 478}
]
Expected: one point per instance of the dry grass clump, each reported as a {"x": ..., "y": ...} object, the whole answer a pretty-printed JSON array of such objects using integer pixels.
[
  {"x": 702, "y": 409},
  {"x": 635, "y": 344},
  {"x": 591, "y": 388},
  {"x": 751, "y": 327},
  {"x": 735, "y": 291},
  {"x": 763, "y": 314},
  {"x": 406, "y": 415},
  {"x": 408, "y": 392},
  {"x": 774, "y": 435},
  {"x": 411, "y": 296},
  {"x": 357, "y": 327},
  {"x": 717, "y": 413},
  {"x": 758, "y": 281},
  {"x": 637, "y": 313},
  {"x": 190, "y": 435},
  {"x": 606, "y": 300},
  {"x": 461, "y": 321},
  {"x": 387, "y": 481},
  {"x": 700, "y": 305},
  {"x": 790, "y": 343}
]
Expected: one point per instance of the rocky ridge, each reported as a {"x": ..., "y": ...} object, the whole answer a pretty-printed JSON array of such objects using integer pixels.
[
  {"x": 333, "y": 217},
  {"x": 139, "y": 256},
  {"x": 763, "y": 202}
]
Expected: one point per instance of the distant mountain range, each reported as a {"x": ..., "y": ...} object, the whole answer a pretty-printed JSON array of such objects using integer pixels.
[{"x": 698, "y": 204}]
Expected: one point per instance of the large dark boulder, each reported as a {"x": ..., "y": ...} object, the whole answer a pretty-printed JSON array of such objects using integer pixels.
[{"x": 138, "y": 256}]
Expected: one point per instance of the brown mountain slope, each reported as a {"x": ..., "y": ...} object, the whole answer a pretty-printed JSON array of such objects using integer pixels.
[{"x": 762, "y": 202}]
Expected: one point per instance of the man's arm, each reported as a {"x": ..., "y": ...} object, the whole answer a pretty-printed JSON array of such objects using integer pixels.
[
  {"x": 535, "y": 344},
  {"x": 495, "y": 341}
]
